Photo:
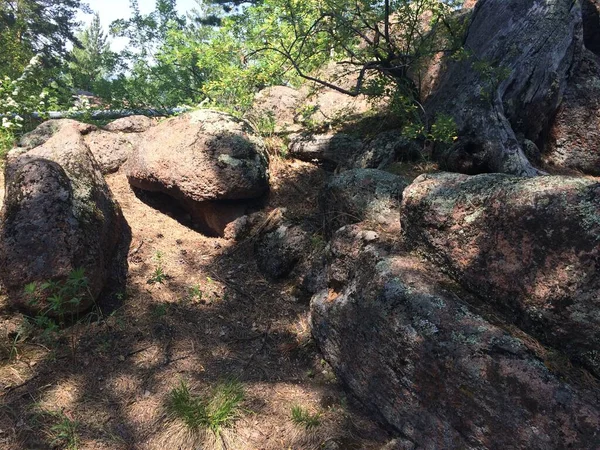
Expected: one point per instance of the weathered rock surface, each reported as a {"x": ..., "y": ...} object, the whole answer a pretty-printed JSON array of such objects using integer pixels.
[
  {"x": 337, "y": 150},
  {"x": 361, "y": 194},
  {"x": 49, "y": 128},
  {"x": 278, "y": 251},
  {"x": 574, "y": 139},
  {"x": 131, "y": 124},
  {"x": 58, "y": 215},
  {"x": 401, "y": 338},
  {"x": 209, "y": 161},
  {"x": 530, "y": 47},
  {"x": 385, "y": 149},
  {"x": 343, "y": 151},
  {"x": 281, "y": 103},
  {"x": 111, "y": 150},
  {"x": 528, "y": 246}
]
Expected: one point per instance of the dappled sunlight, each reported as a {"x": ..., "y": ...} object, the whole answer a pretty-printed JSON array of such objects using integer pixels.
[{"x": 212, "y": 316}]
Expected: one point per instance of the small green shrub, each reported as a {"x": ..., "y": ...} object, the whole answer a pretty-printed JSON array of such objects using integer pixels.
[
  {"x": 195, "y": 293},
  {"x": 264, "y": 125},
  {"x": 62, "y": 432},
  {"x": 159, "y": 275},
  {"x": 57, "y": 298},
  {"x": 303, "y": 417},
  {"x": 214, "y": 412}
]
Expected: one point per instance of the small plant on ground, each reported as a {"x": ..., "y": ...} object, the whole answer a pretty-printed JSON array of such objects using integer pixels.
[
  {"x": 57, "y": 299},
  {"x": 303, "y": 417},
  {"x": 159, "y": 275},
  {"x": 159, "y": 310},
  {"x": 195, "y": 293},
  {"x": 62, "y": 431},
  {"x": 214, "y": 412}
]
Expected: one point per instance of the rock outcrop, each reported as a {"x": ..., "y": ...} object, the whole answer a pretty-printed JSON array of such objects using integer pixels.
[
  {"x": 523, "y": 52},
  {"x": 207, "y": 160},
  {"x": 527, "y": 246},
  {"x": 278, "y": 251},
  {"x": 334, "y": 150},
  {"x": 111, "y": 150},
  {"x": 131, "y": 124},
  {"x": 58, "y": 216},
  {"x": 574, "y": 139},
  {"x": 361, "y": 194},
  {"x": 404, "y": 341}
]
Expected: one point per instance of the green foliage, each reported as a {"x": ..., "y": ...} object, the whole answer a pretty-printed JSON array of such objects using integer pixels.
[
  {"x": 158, "y": 276},
  {"x": 214, "y": 412},
  {"x": 93, "y": 62},
  {"x": 195, "y": 293},
  {"x": 36, "y": 27},
  {"x": 303, "y": 417},
  {"x": 264, "y": 125},
  {"x": 19, "y": 98},
  {"x": 62, "y": 431},
  {"x": 56, "y": 299}
]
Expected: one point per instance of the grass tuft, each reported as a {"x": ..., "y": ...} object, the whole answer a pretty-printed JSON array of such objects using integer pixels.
[
  {"x": 217, "y": 411},
  {"x": 303, "y": 417}
]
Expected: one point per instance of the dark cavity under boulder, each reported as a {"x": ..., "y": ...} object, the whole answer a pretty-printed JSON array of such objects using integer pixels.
[
  {"x": 209, "y": 161},
  {"x": 523, "y": 52},
  {"x": 404, "y": 341},
  {"x": 58, "y": 216},
  {"x": 528, "y": 246}
]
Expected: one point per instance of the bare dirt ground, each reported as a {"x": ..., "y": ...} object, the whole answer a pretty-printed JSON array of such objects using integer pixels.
[{"x": 103, "y": 383}]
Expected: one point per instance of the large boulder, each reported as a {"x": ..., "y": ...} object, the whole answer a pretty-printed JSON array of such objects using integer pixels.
[
  {"x": 406, "y": 344},
  {"x": 130, "y": 124},
  {"x": 361, "y": 194},
  {"x": 111, "y": 150},
  {"x": 207, "y": 160},
  {"x": 522, "y": 53},
  {"x": 58, "y": 216},
  {"x": 574, "y": 139},
  {"x": 528, "y": 246}
]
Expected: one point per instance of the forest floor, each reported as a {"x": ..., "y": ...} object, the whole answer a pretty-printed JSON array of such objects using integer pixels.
[{"x": 104, "y": 382}]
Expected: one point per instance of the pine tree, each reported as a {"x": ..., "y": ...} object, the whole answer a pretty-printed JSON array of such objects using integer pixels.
[{"x": 94, "y": 60}]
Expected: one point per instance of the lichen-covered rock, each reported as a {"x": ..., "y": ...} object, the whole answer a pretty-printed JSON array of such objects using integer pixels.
[
  {"x": 58, "y": 216},
  {"x": 385, "y": 149},
  {"x": 530, "y": 247},
  {"x": 414, "y": 353},
  {"x": 131, "y": 124},
  {"x": 574, "y": 139},
  {"x": 523, "y": 53},
  {"x": 336, "y": 150},
  {"x": 202, "y": 159},
  {"x": 111, "y": 150},
  {"x": 361, "y": 194},
  {"x": 278, "y": 251}
]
